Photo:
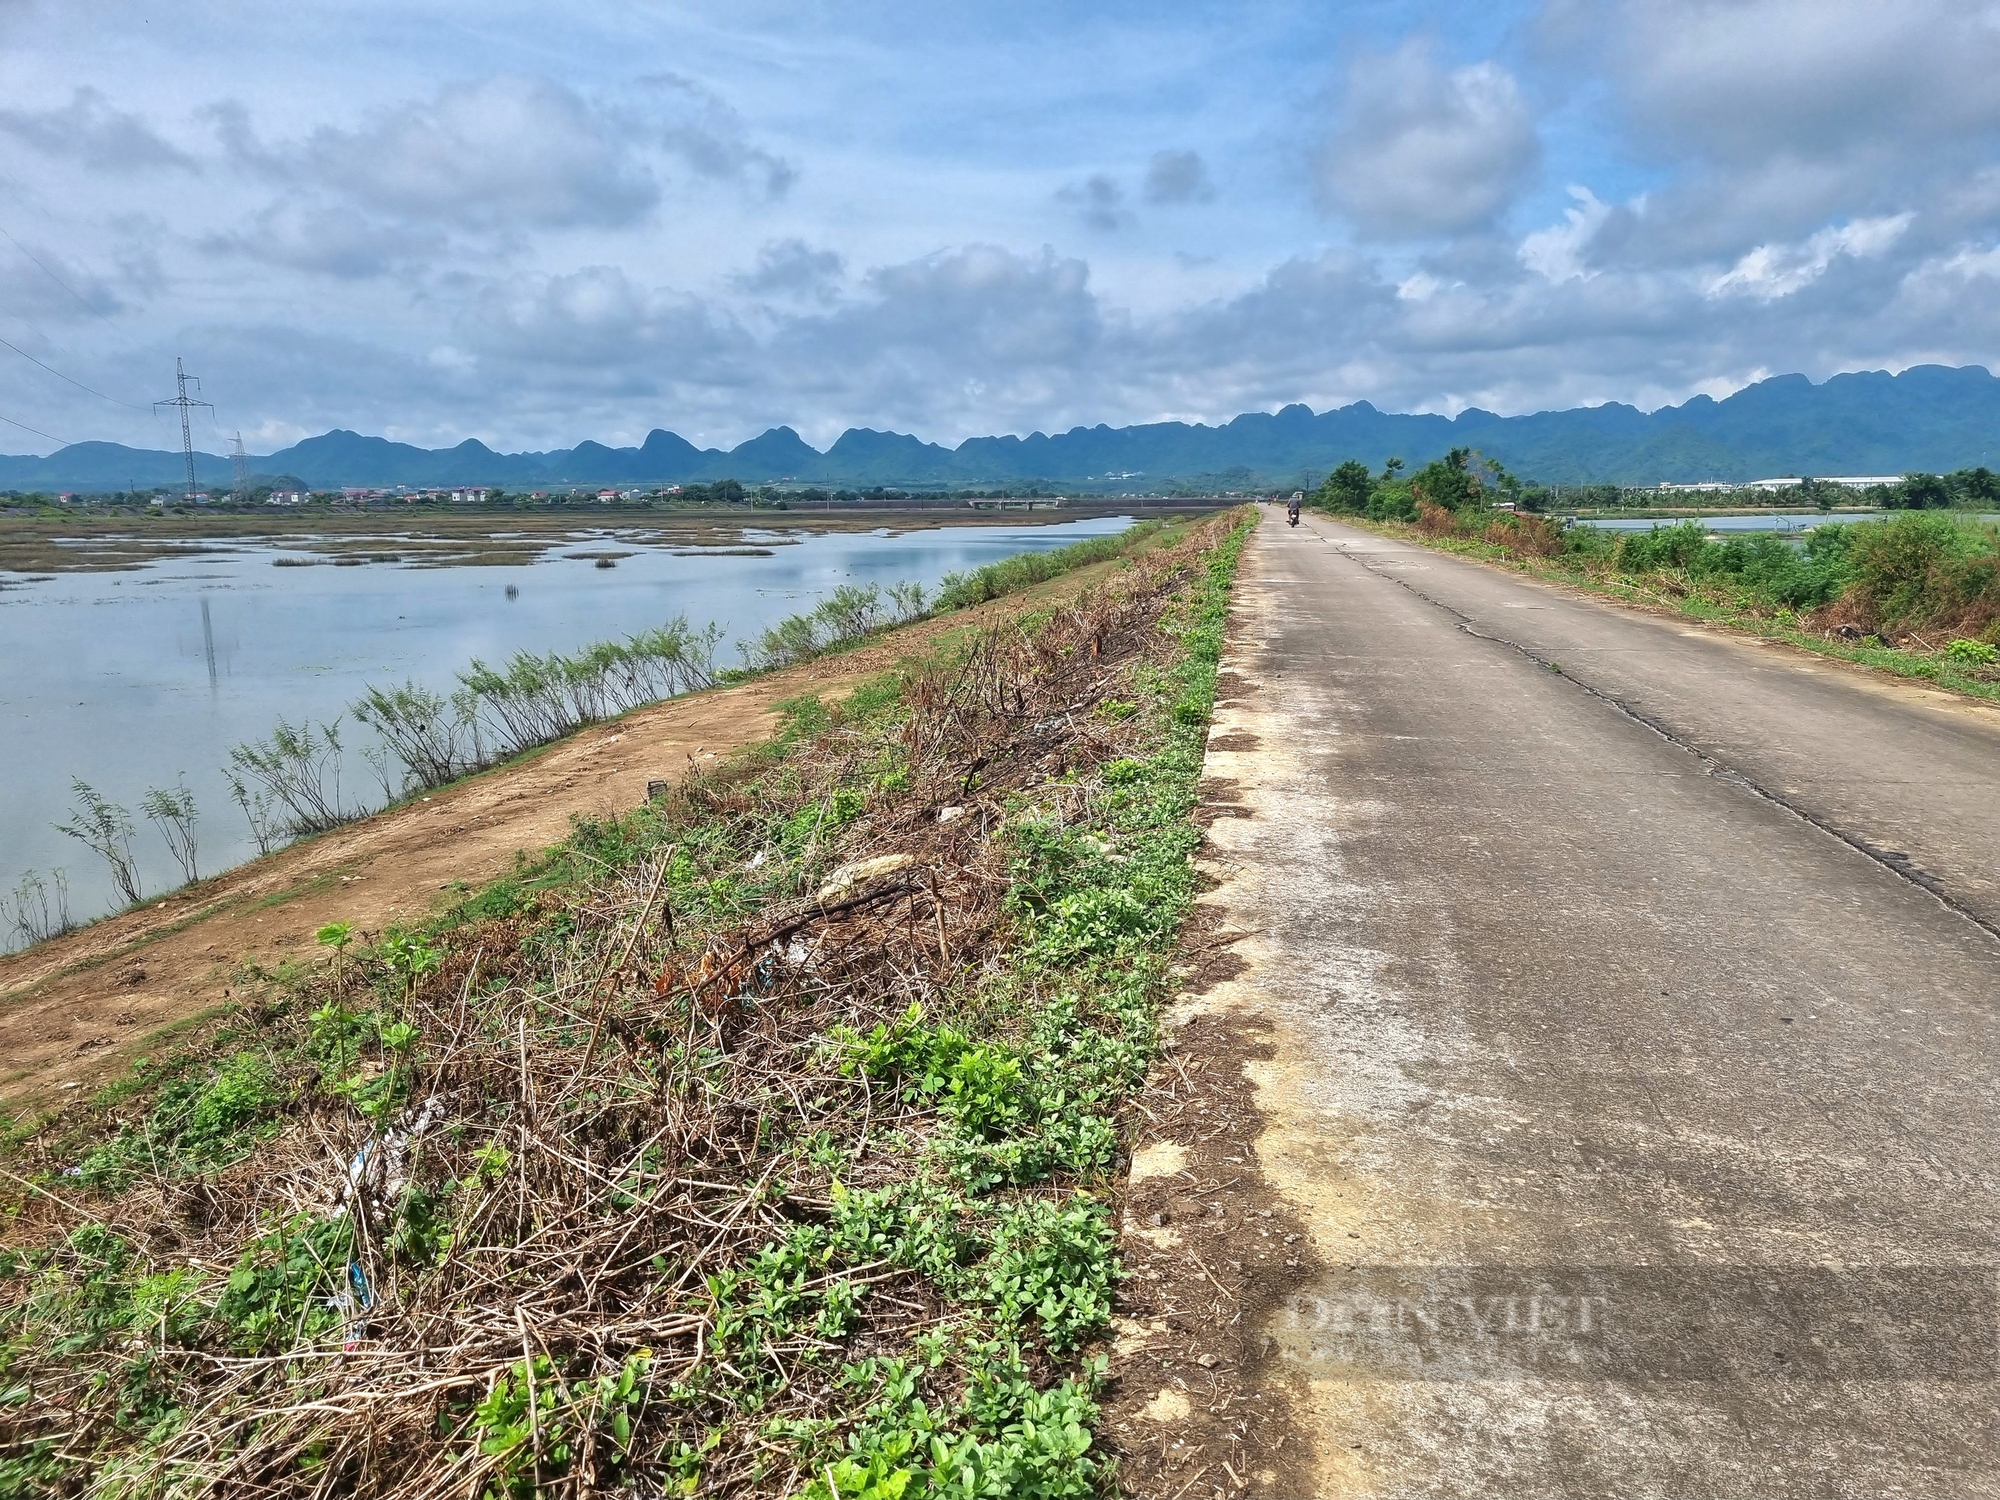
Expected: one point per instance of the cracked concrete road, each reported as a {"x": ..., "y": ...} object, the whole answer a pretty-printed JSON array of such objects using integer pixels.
[{"x": 1633, "y": 1030}]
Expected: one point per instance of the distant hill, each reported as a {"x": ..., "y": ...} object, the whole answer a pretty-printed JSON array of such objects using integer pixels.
[{"x": 1929, "y": 417}]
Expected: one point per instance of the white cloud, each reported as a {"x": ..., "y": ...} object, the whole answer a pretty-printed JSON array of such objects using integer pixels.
[
  {"x": 501, "y": 157},
  {"x": 1954, "y": 291},
  {"x": 330, "y": 240},
  {"x": 1557, "y": 253},
  {"x": 1424, "y": 152},
  {"x": 697, "y": 125},
  {"x": 507, "y": 152},
  {"x": 1772, "y": 271},
  {"x": 598, "y": 317},
  {"x": 793, "y": 268}
]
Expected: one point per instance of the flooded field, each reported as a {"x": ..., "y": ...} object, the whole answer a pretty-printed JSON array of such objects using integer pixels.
[{"x": 145, "y": 658}]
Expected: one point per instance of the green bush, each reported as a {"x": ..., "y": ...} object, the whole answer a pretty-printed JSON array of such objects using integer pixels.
[
  {"x": 1920, "y": 567},
  {"x": 197, "y": 1124},
  {"x": 1678, "y": 546},
  {"x": 290, "y": 1285},
  {"x": 1972, "y": 653}
]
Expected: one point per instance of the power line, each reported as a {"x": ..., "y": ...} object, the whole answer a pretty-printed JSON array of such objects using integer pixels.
[
  {"x": 35, "y": 430},
  {"x": 80, "y": 302},
  {"x": 60, "y": 376}
]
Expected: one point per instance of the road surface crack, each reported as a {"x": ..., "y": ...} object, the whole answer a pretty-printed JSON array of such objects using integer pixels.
[{"x": 1894, "y": 861}]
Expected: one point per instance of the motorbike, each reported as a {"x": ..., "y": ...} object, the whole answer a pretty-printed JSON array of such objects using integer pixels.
[{"x": 1292, "y": 515}]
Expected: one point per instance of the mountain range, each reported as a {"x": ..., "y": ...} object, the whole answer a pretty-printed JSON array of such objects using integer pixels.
[{"x": 1929, "y": 417}]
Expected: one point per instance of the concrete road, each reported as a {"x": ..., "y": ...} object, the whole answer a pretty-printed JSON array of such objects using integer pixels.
[{"x": 1636, "y": 1003}]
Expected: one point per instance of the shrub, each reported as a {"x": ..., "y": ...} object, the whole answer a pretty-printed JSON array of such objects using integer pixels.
[
  {"x": 105, "y": 828},
  {"x": 297, "y": 768},
  {"x": 1662, "y": 547},
  {"x": 846, "y": 617},
  {"x": 1527, "y": 536},
  {"x": 535, "y": 699},
  {"x": 428, "y": 733},
  {"x": 1921, "y": 568},
  {"x": 1436, "y": 520}
]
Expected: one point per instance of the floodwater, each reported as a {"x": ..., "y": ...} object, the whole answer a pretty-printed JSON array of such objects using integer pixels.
[{"x": 126, "y": 680}]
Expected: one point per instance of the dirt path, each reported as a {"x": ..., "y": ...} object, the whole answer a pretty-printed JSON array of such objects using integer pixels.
[{"x": 75, "y": 1012}]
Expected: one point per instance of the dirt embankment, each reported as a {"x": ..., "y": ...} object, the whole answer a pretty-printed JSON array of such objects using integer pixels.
[{"x": 74, "y": 1012}]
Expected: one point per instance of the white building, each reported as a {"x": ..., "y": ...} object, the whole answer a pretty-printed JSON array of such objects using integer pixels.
[{"x": 1722, "y": 486}]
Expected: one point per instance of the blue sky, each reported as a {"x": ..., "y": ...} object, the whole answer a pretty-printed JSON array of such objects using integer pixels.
[{"x": 533, "y": 225}]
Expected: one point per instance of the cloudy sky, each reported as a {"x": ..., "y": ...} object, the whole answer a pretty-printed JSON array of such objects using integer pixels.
[{"x": 535, "y": 224}]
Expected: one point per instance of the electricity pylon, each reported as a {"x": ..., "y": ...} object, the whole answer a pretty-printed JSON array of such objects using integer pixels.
[{"x": 186, "y": 404}]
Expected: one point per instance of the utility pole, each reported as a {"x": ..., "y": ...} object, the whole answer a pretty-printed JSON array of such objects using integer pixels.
[
  {"x": 185, "y": 404},
  {"x": 239, "y": 461}
]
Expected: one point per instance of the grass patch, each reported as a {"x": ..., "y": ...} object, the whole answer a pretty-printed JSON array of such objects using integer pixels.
[{"x": 1915, "y": 596}]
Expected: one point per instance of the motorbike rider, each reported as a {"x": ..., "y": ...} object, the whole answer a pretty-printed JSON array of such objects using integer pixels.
[{"x": 1292, "y": 508}]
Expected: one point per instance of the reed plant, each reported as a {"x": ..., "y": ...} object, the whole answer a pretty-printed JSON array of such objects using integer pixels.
[{"x": 1012, "y": 574}]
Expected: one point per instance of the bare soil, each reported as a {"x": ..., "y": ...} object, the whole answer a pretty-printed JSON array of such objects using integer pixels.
[
  {"x": 75, "y": 1011},
  {"x": 1198, "y": 1406}
]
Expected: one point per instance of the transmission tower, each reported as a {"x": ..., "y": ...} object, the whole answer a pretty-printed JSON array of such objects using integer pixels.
[
  {"x": 186, "y": 404},
  {"x": 239, "y": 461}
]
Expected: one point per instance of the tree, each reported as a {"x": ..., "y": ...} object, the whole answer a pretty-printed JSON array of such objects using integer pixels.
[
  {"x": 1980, "y": 486},
  {"x": 105, "y": 828},
  {"x": 1346, "y": 489},
  {"x": 1449, "y": 482},
  {"x": 1925, "y": 492},
  {"x": 1390, "y": 499}
]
